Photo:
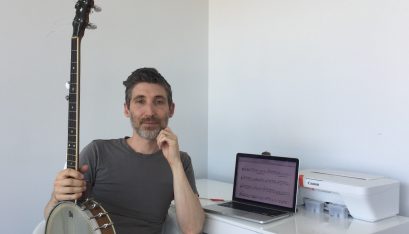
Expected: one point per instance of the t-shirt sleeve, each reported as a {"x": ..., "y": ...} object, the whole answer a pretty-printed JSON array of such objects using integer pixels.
[
  {"x": 88, "y": 156},
  {"x": 190, "y": 174}
]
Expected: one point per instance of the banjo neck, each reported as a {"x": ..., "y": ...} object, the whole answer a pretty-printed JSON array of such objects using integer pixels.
[
  {"x": 74, "y": 106},
  {"x": 80, "y": 22}
]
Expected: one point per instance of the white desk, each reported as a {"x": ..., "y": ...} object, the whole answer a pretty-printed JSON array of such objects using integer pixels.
[{"x": 301, "y": 223}]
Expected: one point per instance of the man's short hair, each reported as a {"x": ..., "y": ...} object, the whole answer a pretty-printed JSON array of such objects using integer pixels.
[{"x": 148, "y": 75}]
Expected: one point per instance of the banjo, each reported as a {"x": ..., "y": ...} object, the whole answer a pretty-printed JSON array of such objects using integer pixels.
[{"x": 74, "y": 217}]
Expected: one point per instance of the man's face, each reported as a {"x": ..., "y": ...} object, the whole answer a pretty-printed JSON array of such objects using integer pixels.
[{"x": 149, "y": 110}]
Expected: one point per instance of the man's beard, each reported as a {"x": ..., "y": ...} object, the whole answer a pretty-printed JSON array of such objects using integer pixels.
[{"x": 148, "y": 134}]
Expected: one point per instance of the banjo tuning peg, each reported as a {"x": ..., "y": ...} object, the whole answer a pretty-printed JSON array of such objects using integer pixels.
[
  {"x": 96, "y": 8},
  {"x": 91, "y": 26}
]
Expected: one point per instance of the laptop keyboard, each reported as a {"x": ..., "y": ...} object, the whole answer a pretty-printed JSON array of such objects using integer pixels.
[{"x": 255, "y": 209}]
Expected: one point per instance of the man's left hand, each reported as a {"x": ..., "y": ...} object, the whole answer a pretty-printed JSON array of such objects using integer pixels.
[{"x": 168, "y": 143}]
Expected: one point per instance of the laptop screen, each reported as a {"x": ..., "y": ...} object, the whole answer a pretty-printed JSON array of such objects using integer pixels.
[{"x": 266, "y": 179}]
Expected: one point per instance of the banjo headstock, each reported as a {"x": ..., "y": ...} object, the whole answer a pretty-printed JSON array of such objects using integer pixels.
[{"x": 81, "y": 20}]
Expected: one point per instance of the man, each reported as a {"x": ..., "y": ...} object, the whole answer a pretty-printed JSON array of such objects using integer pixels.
[{"x": 135, "y": 178}]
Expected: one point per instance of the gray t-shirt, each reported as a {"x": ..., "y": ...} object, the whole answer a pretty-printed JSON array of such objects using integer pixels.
[{"x": 135, "y": 189}]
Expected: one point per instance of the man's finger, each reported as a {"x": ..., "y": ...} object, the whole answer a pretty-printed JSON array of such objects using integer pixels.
[{"x": 69, "y": 173}]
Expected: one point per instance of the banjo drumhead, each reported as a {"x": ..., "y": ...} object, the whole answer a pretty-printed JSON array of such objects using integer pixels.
[{"x": 68, "y": 218}]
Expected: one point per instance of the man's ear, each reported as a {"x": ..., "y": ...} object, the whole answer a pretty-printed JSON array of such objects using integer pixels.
[
  {"x": 126, "y": 110},
  {"x": 171, "y": 110}
]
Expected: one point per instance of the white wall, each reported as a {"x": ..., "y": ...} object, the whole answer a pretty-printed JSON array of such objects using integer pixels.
[
  {"x": 323, "y": 80},
  {"x": 34, "y": 61}
]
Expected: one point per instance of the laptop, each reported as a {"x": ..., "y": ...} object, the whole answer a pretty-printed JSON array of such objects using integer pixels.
[{"x": 264, "y": 190}]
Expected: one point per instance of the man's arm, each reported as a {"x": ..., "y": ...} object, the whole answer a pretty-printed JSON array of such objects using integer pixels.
[{"x": 189, "y": 212}]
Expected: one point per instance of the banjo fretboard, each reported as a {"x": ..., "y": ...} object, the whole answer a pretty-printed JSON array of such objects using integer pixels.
[{"x": 73, "y": 106}]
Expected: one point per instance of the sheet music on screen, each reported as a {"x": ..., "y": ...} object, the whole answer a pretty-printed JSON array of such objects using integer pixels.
[{"x": 267, "y": 181}]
